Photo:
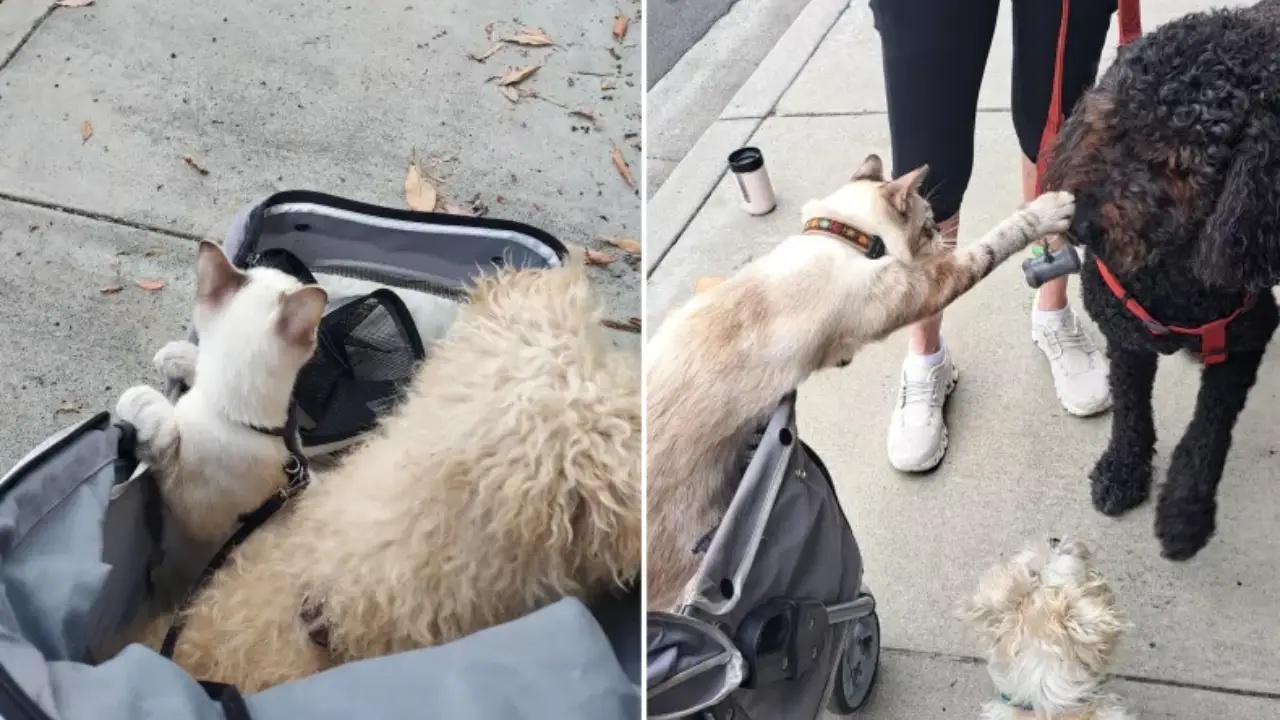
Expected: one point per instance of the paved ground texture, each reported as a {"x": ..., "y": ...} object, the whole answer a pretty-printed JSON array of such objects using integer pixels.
[
  {"x": 269, "y": 95},
  {"x": 1206, "y": 641}
]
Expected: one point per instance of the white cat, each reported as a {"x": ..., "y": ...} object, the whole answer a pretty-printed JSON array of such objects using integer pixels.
[{"x": 219, "y": 451}]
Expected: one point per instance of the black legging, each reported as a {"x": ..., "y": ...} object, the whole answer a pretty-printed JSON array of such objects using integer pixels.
[{"x": 934, "y": 55}]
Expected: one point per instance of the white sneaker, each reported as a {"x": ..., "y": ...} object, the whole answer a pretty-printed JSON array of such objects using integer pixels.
[
  {"x": 917, "y": 433},
  {"x": 1079, "y": 370}
]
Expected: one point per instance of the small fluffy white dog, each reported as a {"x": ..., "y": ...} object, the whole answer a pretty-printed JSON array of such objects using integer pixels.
[{"x": 1050, "y": 631}]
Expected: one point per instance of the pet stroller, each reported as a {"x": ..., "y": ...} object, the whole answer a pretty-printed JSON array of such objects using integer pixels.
[
  {"x": 779, "y": 624},
  {"x": 81, "y": 521}
]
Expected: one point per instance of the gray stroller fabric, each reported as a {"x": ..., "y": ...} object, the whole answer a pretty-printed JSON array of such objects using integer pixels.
[
  {"x": 61, "y": 594},
  {"x": 784, "y": 537},
  {"x": 81, "y": 525}
]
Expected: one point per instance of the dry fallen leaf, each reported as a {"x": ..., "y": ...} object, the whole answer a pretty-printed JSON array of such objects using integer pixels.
[
  {"x": 191, "y": 162},
  {"x": 530, "y": 36},
  {"x": 86, "y": 131},
  {"x": 488, "y": 31},
  {"x": 509, "y": 93},
  {"x": 624, "y": 244},
  {"x": 620, "y": 24},
  {"x": 595, "y": 257},
  {"x": 151, "y": 285},
  {"x": 621, "y": 163},
  {"x": 518, "y": 75},
  {"x": 73, "y": 3},
  {"x": 419, "y": 192},
  {"x": 68, "y": 407},
  {"x": 110, "y": 289},
  {"x": 631, "y": 324},
  {"x": 584, "y": 114},
  {"x": 706, "y": 283},
  {"x": 486, "y": 54}
]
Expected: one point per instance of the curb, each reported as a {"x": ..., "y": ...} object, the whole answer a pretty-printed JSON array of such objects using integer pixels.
[{"x": 674, "y": 206}]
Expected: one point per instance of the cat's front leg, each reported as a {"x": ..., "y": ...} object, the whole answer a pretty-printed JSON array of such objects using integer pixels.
[
  {"x": 177, "y": 361},
  {"x": 912, "y": 291},
  {"x": 1048, "y": 214},
  {"x": 152, "y": 417}
]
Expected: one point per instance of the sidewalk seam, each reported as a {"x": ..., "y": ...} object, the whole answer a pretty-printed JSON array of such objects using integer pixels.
[
  {"x": 100, "y": 217},
  {"x": 1220, "y": 689},
  {"x": 759, "y": 121},
  {"x": 26, "y": 36}
]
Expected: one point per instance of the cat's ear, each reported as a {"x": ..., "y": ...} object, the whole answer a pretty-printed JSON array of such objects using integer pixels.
[
  {"x": 898, "y": 193},
  {"x": 870, "y": 169},
  {"x": 300, "y": 314},
  {"x": 216, "y": 278}
]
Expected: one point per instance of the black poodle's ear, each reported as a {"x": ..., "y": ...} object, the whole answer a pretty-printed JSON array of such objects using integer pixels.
[{"x": 1239, "y": 247}]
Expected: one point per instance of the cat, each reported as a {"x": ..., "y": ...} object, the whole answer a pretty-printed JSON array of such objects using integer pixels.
[
  {"x": 216, "y": 452},
  {"x": 722, "y": 361},
  {"x": 507, "y": 479}
]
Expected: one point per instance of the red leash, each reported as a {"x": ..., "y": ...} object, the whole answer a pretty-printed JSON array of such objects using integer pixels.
[{"x": 1129, "y": 16}]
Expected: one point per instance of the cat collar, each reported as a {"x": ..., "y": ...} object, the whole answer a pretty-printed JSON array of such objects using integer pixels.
[{"x": 870, "y": 245}]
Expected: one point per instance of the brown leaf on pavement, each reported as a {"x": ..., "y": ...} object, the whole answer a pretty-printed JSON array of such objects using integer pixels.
[
  {"x": 621, "y": 164},
  {"x": 419, "y": 192},
  {"x": 518, "y": 75},
  {"x": 110, "y": 289},
  {"x": 631, "y": 325},
  {"x": 584, "y": 114},
  {"x": 620, "y": 24},
  {"x": 624, "y": 244},
  {"x": 509, "y": 93},
  {"x": 595, "y": 257},
  {"x": 151, "y": 285},
  {"x": 86, "y": 131},
  {"x": 486, "y": 54},
  {"x": 534, "y": 37},
  {"x": 191, "y": 163}
]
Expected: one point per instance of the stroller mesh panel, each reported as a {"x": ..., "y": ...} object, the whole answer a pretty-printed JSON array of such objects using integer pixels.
[{"x": 365, "y": 358}]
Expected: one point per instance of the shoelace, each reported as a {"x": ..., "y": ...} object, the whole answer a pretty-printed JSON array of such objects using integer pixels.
[
  {"x": 918, "y": 391},
  {"x": 1069, "y": 338}
]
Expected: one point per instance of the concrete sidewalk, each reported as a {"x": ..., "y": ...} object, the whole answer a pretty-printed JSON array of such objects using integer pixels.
[
  {"x": 270, "y": 95},
  {"x": 1206, "y": 640}
]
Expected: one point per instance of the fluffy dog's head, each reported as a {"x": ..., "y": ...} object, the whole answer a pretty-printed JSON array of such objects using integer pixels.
[
  {"x": 890, "y": 209},
  {"x": 1171, "y": 159},
  {"x": 1048, "y": 627}
]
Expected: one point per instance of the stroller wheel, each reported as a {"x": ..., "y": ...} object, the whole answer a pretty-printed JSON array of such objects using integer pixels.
[{"x": 858, "y": 668}]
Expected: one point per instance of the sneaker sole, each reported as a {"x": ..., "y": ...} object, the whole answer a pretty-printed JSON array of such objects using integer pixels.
[
  {"x": 936, "y": 459},
  {"x": 1076, "y": 411}
]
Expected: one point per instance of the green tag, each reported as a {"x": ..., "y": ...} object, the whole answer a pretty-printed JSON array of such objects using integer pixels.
[{"x": 1037, "y": 251}]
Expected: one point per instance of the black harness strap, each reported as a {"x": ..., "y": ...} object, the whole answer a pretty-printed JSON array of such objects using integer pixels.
[
  {"x": 233, "y": 704},
  {"x": 299, "y": 475}
]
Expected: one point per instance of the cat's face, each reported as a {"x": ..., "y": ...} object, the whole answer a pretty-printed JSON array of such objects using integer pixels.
[
  {"x": 890, "y": 209},
  {"x": 264, "y": 316}
]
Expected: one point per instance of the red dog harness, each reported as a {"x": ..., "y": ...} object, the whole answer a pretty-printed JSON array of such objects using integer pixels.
[{"x": 1213, "y": 335}]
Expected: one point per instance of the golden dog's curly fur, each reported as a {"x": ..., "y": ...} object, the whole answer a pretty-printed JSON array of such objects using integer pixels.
[{"x": 508, "y": 479}]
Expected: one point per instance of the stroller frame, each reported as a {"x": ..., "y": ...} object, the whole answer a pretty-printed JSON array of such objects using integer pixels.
[{"x": 769, "y": 630}]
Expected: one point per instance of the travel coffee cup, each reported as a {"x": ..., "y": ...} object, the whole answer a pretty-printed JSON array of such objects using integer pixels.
[{"x": 748, "y": 169}]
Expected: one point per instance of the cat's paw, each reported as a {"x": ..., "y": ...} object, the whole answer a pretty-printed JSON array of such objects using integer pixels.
[
  {"x": 138, "y": 407},
  {"x": 177, "y": 361},
  {"x": 1052, "y": 212}
]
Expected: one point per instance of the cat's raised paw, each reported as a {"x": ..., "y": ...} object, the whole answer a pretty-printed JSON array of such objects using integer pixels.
[
  {"x": 1053, "y": 211},
  {"x": 177, "y": 361}
]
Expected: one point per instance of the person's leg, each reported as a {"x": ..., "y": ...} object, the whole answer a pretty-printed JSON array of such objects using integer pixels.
[
  {"x": 934, "y": 54},
  {"x": 1079, "y": 370}
]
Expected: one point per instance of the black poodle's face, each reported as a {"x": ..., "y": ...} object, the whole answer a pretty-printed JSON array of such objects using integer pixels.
[{"x": 1171, "y": 163}]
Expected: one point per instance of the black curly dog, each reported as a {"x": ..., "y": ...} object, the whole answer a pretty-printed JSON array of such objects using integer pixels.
[{"x": 1174, "y": 158}]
